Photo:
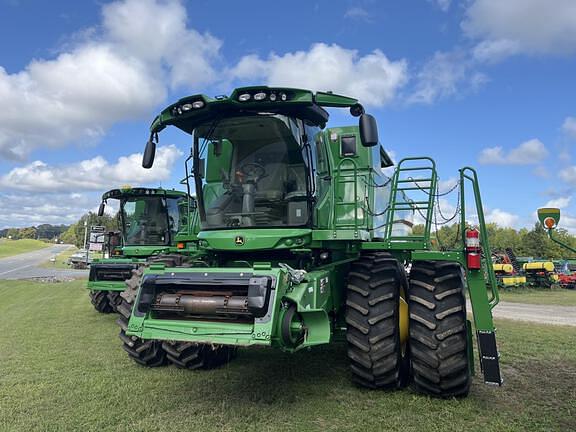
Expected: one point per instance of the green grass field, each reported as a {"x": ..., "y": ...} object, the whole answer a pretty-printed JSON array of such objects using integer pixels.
[
  {"x": 562, "y": 297},
  {"x": 15, "y": 247},
  {"x": 62, "y": 368}
]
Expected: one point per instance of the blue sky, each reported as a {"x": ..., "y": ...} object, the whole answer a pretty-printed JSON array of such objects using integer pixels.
[{"x": 486, "y": 83}]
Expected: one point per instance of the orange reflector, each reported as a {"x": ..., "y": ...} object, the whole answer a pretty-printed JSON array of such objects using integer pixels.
[
  {"x": 180, "y": 245},
  {"x": 549, "y": 223}
]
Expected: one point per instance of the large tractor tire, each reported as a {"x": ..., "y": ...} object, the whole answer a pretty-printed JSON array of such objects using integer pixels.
[
  {"x": 377, "y": 354},
  {"x": 99, "y": 300},
  {"x": 438, "y": 335},
  {"x": 115, "y": 300},
  {"x": 145, "y": 352},
  {"x": 188, "y": 355}
]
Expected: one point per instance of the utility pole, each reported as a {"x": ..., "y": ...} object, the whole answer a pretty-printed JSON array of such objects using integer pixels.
[{"x": 85, "y": 238}]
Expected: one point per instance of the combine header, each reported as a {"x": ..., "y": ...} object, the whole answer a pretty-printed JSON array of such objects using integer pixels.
[{"x": 303, "y": 238}]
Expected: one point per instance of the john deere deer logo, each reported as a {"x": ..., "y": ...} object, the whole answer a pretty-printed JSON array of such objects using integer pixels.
[{"x": 239, "y": 241}]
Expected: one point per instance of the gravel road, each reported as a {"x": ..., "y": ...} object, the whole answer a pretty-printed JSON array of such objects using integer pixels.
[{"x": 544, "y": 314}]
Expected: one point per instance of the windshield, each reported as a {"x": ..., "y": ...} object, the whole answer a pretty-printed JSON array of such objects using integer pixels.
[
  {"x": 252, "y": 172},
  {"x": 152, "y": 220}
]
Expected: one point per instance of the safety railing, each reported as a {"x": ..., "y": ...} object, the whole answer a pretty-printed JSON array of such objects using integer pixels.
[
  {"x": 421, "y": 179},
  {"x": 470, "y": 175}
]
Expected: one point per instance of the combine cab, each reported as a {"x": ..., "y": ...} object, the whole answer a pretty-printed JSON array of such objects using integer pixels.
[
  {"x": 303, "y": 238},
  {"x": 151, "y": 222}
]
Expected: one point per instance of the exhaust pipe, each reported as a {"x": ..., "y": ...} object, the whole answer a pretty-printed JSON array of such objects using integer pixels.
[{"x": 187, "y": 304}]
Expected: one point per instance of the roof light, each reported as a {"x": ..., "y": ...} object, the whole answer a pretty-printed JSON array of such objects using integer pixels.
[
  {"x": 186, "y": 107},
  {"x": 198, "y": 104},
  {"x": 260, "y": 96},
  {"x": 244, "y": 97},
  {"x": 272, "y": 97},
  {"x": 283, "y": 96}
]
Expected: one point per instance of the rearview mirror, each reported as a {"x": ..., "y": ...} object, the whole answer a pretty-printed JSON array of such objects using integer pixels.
[
  {"x": 101, "y": 209},
  {"x": 368, "y": 130},
  {"x": 149, "y": 153}
]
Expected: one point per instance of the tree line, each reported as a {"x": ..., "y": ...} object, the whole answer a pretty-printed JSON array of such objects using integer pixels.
[
  {"x": 524, "y": 242},
  {"x": 40, "y": 232}
]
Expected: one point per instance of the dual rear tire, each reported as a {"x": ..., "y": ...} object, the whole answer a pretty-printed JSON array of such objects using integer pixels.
[{"x": 433, "y": 358}]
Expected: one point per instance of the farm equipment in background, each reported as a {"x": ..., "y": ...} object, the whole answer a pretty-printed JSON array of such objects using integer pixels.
[
  {"x": 521, "y": 272},
  {"x": 540, "y": 274},
  {"x": 151, "y": 222},
  {"x": 303, "y": 239},
  {"x": 507, "y": 277}
]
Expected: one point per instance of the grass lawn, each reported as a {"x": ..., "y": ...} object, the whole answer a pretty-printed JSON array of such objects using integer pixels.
[
  {"x": 562, "y": 297},
  {"x": 15, "y": 247},
  {"x": 62, "y": 368}
]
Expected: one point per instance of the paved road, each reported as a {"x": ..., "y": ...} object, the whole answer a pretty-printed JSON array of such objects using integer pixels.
[
  {"x": 545, "y": 314},
  {"x": 25, "y": 266}
]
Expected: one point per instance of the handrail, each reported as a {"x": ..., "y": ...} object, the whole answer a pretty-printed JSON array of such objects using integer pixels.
[
  {"x": 473, "y": 178},
  {"x": 415, "y": 205},
  {"x": 337, "y": 175}
]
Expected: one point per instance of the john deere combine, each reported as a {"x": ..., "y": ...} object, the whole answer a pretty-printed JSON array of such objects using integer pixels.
[
  {"x": 151, "y": 222},
  {"x": 303, "y": 239}
]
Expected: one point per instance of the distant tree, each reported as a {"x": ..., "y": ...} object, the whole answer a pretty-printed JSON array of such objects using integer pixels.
[{"x": 28, "y": 233}]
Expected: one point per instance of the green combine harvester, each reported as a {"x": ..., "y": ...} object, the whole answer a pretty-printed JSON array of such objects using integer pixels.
[
  {"x": 304, "y": 240},
  {"x": 151, "y": 222}
]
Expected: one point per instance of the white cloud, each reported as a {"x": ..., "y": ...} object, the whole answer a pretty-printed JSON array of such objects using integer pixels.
[
  {"x": 155, "y": 31},
  {"x": 507, "y": 27},
  {"x": 27, "y": 209},
  {"x": 560, "y": 203},
  {"x": 444, "y": 5},
  {"x": 91, "y": 174},
  {"x": 528, "y": 153},
  {"x": 502, "y": 218},
  {"x": 569, "y": 126},
  {"x": 116, "y": 73},
  {"x": 372, "y": 78},
  {"x": 444, "y": 75},
  {"x": 492, "y": 51},
  {"x": 358, "y": 13},
  {"x": 541, "y": 171},
  {"x": 569, "y": 175}
]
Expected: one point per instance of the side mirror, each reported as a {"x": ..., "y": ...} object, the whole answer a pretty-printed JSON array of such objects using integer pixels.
[
  {"x": 368, "y": 130},
  {"x": 101, "y": 209},
  {"x": 149, "y": 153}
]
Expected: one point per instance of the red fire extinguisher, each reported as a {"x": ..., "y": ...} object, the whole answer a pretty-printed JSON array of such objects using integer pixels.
[{"x": 473, "y": 250}]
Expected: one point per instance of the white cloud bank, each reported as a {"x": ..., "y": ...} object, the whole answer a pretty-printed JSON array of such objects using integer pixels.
[
  {"x": 373, "y": 78},
  {"x": 119, "y": 74},
  {"x": 507, "y": 27},
  {"x": 95, "y": 174},
  {"x": 502, "y": 218},
  {"x": 530, "y": 152},
  {"x": 569, "y": 126}
]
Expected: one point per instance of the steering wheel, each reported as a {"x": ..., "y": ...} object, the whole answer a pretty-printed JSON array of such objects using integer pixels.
[{"x": 252, "y": 170}]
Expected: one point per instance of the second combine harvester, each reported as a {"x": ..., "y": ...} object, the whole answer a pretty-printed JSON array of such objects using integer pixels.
[{"x": 303, "y": 238}]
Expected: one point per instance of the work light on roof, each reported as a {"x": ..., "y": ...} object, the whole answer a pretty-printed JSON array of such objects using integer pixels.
[
  {"x": 272, "y": 97},
  {"x": 198, "y": 104},
  {"x": 244, "y": 97},
  {"x": 283, "y": 96},
  {"x": 186, "y": 107},
  {"x": 260, "y": 96}
]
